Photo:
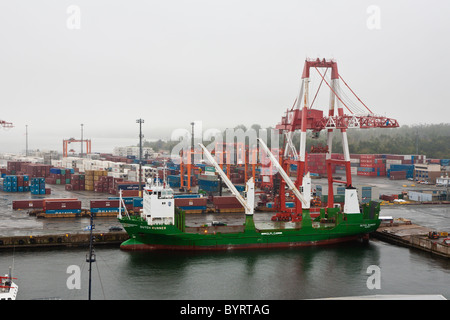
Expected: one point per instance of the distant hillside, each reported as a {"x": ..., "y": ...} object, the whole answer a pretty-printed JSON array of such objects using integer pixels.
[{"x": 432, "y": 140}]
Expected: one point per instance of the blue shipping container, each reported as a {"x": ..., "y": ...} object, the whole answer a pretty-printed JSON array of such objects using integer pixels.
[{"x": 64, "y": 211}]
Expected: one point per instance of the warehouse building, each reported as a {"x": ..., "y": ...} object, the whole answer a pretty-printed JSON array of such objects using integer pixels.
[{"x": 427, "y": 172}]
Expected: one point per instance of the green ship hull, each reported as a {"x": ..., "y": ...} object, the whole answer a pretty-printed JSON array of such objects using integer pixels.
[{"x": 331, "y": 226}]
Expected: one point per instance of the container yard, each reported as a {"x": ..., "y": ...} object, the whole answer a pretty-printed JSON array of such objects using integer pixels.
[
  {"x": 201, "y": 190},
  {"x": 315, "y": 198}
]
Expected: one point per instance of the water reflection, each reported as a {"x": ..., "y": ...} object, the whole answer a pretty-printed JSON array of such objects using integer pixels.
[{"x": 295, "y": 273}]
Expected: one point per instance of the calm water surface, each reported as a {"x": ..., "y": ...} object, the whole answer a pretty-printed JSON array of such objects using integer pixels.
[{"x": 300, "y": 273}]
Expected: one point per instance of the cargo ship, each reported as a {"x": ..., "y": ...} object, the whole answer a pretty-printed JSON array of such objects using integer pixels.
[{"x": 161, "y": 226}]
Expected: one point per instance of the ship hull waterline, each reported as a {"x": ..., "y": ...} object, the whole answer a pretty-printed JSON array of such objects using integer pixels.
[{"x": 138, "y": 246}]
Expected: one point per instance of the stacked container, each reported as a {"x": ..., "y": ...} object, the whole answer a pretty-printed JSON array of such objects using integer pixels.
[
  {"x": 227, "y": 204},
  {"x": 401, "y": 171},
  {"x": 16, "y": 183},
  {"x": 36, "y": 169},
  {"x": 371, "y": 165},
  {"x": 14, "y": 167},
  {"x": 131, "y": 203},
  {"x": 92, "y": 176},
  {"x": 106, "y": 184},
  {"x": 208, "y": 183},
  {"x": 103, "y": 206},
  {"x": 192, "y": 205},
  {"x": 60, "y": 176},
  {"x": 62, "y": 206},
  {"x": 37, "y": 186},
  {"x": 316, "y": 163},
  {"x": 77, "y": 182}
]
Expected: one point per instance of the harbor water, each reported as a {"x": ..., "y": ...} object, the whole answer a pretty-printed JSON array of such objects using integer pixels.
[{"x": 302, "y": 273}]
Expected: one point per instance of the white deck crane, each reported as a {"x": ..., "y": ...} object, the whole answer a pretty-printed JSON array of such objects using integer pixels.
[
  {"x": 305, "y": 198},
  {"x": 249, "y": 202}
]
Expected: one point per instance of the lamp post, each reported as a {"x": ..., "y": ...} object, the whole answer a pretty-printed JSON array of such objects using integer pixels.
[
  {"x": 81, "y": 140},
  {"x": 26, "y": 140},
  {"x": 140, "y": 121}
]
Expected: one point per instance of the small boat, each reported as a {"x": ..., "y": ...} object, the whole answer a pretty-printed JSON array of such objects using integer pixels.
[{"x": 8, "y": 289}]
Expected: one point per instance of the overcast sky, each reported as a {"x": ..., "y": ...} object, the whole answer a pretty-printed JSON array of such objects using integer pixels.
[{"x": 106, "y": 63}]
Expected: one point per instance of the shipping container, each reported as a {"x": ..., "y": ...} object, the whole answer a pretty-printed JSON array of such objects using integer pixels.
[
  {"x": 104, "y": 203},
  {"x": 28, "y": 204},
  {"x": 190, "y": 202},
  {"x": 51, "y": 204}
]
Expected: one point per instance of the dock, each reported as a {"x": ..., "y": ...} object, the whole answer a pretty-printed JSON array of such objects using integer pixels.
[
  {"x": 411, "y": 235},
  {"x": 62, "y": 240}
]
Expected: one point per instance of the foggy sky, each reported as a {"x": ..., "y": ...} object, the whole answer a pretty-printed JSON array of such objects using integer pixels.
[{"x": 220, "y": 62}]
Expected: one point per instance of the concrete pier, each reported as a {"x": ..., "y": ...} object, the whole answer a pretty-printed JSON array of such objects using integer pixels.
[
  {"x": 412, "y": 236},
  {"x": 62, "y": 240}
]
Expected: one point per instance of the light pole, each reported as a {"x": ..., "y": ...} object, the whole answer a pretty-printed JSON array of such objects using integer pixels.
[
  {"x": 192, "y": 143},
  {"x": 26, "y": 140},
  {"x": 140, "y": 121},
  {"x": 81, "y": 140}
]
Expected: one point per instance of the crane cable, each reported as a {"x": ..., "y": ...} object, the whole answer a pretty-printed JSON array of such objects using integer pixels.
[
  {"x": 333, "y": 90},
  {"x": 355, "y": 94},
  {"x": 321, "y": 81}
]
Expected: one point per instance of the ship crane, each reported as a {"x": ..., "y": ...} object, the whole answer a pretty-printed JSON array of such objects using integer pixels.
[
  {"x": 249, "y": 202},
  {"x": 303, "y": 117}
]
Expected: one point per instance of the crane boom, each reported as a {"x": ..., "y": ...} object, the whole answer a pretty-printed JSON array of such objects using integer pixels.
[
  {"x": 284, "y": 175},
  {"x": 247, "y": 204}
]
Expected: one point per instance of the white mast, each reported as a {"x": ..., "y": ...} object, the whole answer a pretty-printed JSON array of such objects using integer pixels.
[
  {"x": 290, "y": 184},
  {"x": 248, "y": 203}
]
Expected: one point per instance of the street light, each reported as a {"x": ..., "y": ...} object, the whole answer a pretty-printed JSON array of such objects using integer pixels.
[
  {"x": 81, "y": 140},
  {"x": 26, "y": 140},
  {"x": 192, "y": 143},
  {"x": 140, "y": 121}
]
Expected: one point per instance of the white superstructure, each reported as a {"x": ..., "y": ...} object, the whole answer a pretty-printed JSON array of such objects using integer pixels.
[
  {"x": 158, "y": 203},
  {"x": 8, "y": 289}
]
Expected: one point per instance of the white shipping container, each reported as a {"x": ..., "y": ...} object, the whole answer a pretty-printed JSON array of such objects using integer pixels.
[
  {"x": 393, "y": 161},
  {"x": 419, "y": 196}
]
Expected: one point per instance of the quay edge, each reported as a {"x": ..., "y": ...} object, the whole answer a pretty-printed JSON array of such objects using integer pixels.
[{"x": 61, "y": 240}]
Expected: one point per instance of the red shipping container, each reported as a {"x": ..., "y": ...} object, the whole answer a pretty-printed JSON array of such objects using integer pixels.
[
  {"x": 104, "y": 203},
  {"x": 190, "y": 202},
  {"x": 130, "y": 193},
  {"x": 27, "y": 204},
  {"x": 61, "y": 204}
]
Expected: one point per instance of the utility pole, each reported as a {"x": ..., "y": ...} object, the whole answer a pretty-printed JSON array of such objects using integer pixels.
[
  {"x": 192, "y": 143},
  {"x": 140, "y": 121},
  {"x": 191, "y": 173},
  {"x": 81, "y": 140},
  {"x": 91, "y": 257},
  {"x": 26, "y": 140}
]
